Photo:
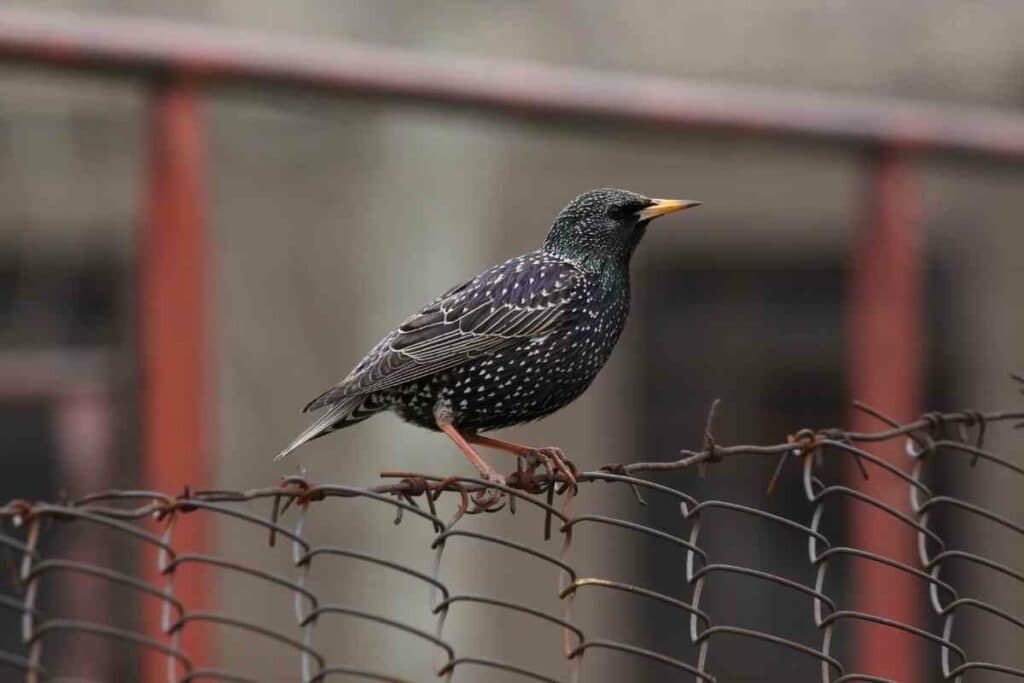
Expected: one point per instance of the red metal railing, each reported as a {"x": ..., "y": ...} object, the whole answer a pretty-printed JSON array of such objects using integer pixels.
[
  {"x": 886, "y": 292},
  {"x": 885, "y": 337},
  {"x": 174, "y": 345}
]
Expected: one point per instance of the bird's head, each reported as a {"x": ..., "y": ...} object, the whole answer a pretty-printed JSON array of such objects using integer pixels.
[{"x": 605, "y": 225}]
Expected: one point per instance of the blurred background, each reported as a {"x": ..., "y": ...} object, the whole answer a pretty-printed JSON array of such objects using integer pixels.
[{"x": 187, "y": 257}]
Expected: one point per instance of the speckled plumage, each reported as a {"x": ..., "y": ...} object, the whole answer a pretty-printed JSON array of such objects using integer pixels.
[{"x": 516, "y": 343}]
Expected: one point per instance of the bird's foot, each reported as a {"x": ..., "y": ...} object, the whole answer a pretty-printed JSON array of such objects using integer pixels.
[
  {"x": 558, "y": 466},
  {"x": 490, "y": 499}
]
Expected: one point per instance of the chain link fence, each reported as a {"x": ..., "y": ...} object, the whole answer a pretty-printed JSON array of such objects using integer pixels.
[{"x": 442, "y": 512}]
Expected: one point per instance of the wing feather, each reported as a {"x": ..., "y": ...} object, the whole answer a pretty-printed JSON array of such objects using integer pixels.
[{"x": 529, "y": 296}]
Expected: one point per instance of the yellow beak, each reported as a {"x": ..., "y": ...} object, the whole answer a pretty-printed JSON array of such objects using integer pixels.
[{"x": 666, "y": 206}]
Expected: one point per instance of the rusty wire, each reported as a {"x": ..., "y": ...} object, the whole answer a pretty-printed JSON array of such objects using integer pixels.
[{"x": 933, "y": 436}]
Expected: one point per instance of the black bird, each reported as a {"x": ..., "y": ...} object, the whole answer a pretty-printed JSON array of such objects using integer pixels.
[{"x": 516, "y": 343}]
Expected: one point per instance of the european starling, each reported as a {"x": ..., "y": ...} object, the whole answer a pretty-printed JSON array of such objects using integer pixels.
[{"x": 514, "y": 344}]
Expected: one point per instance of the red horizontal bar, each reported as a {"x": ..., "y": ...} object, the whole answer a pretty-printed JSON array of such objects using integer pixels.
[{"x": 113, "y": 44}]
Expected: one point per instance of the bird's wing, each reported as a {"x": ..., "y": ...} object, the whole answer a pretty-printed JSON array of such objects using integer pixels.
[{"x": 526, "y": 297}]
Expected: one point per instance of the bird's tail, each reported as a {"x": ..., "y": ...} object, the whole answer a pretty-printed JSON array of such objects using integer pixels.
[{"x": 336, "y": 416}]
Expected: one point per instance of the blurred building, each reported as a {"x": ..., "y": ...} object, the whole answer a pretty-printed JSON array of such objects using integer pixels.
[{"x": 332, "y": 218}]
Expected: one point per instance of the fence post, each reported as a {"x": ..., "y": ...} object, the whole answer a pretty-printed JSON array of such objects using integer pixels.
[
  {"x": 885, "y": 361},
  {"x": 173, "y": 342}
]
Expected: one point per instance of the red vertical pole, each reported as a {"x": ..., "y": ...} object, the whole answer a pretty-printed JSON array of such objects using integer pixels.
[
  {"x": 886, "y": 362},
  {"x": 173, "y": 338}
]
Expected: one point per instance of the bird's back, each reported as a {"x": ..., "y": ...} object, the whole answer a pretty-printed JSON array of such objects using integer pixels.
[{"x": 535, "y": 371}]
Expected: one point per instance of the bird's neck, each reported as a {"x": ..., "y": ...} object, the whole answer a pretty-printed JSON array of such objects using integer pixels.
[
  {"x": 613, "y": 278},
  {"x": 610, "y": 274},
  {"x": 609, "y": 266}
]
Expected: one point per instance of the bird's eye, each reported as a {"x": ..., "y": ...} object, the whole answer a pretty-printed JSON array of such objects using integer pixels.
[{"x": 619, "y": 211}]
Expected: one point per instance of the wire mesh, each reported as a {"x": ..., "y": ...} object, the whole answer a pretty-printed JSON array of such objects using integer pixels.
[{"x": 441, "y": 508}]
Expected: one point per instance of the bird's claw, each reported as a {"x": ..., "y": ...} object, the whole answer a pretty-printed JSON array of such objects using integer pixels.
[
  {"x": 558, "y": 466},
  {"x": 490, "y": 499}
]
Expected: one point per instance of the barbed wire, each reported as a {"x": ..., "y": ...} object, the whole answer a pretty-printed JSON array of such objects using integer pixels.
[{"x": 150, "y": 517}]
